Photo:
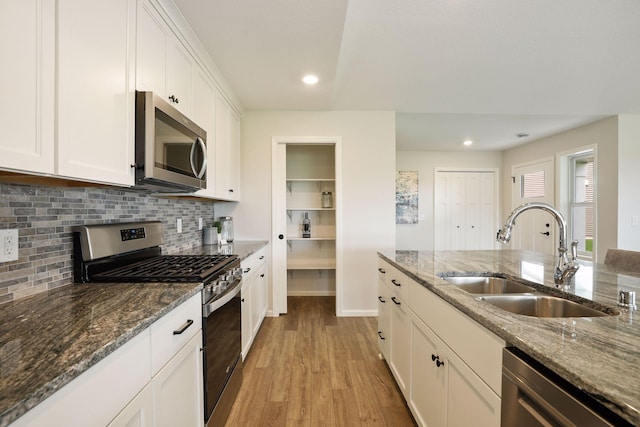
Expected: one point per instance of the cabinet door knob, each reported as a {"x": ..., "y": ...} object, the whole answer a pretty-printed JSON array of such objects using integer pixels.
[
  {"x": 262, "y": 275},
  {"x": 280, "y": 236},
  {"x": 439, "y": 363},
  {"x": 173, "y": 99}
]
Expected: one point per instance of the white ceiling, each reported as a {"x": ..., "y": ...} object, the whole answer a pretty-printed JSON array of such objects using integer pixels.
[{"x": 451, "y": 69}]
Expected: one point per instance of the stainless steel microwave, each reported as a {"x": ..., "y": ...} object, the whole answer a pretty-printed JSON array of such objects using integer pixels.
[{"x": 171, "y": 150}]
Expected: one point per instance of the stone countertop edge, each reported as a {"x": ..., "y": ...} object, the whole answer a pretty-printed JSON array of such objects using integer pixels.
[
  {"x": 100, "y": 348},
  {"x": 587, "y": 363},
  {"x": 20, "y": 405}
]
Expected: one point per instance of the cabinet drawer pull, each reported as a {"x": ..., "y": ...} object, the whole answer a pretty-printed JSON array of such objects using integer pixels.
[
  {"x": 394, "y": 300},
  {"x": 262, "y": 257},
  {"x": 381, "y": 270},
  {"x": 247, "y": 270},
  {"x": 382, "y": 300},
  {"x": 396, "y": 283},
  {"x": 380, "y": 335},
  {"x": 184, "y": 327}
]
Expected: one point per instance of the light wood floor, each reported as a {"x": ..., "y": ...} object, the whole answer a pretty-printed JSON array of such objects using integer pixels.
[{"x": 311, "y": 368}]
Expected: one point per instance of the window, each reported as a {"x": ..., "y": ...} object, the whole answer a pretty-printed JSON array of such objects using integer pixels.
[
  {"x": 532, "y": 185},
  {"x": 582, "y": 202}
]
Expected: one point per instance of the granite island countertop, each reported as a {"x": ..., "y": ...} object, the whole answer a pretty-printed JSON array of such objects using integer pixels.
[
  {"x": 599, "y": 355},
  {"x": 49, "y": 339}
]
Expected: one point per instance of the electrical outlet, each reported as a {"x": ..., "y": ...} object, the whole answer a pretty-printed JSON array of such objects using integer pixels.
[
  {"x": 179, "y": 225},
  {"x": 199, "y": 223},
  {"x": 8, "y": 245}
]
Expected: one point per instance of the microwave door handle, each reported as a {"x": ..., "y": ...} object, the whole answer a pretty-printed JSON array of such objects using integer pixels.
[{"x": 203, "y": 167}]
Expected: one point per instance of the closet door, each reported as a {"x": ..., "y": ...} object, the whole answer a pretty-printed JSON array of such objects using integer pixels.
[{"x": 465, "y": 210}]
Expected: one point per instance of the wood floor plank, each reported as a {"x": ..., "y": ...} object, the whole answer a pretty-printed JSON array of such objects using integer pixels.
[
  {"x": 310, "y": 368},
  {"x": 322, "y": 411},
  {"x": 274, "y": 414},
  {"x": 299, "y": 407},
  {"x": 345, "y": 409},
  {"x": 368, "y": 407}
]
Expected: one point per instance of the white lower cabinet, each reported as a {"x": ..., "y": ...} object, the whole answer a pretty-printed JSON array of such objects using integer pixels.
[
  {"x": 447, "y": 366},
  {"x": 444, "y": 390},
  {"x": 247, "y": 336},
  {"x": 400, "y": 345},
  {"x": 177, "y": 388},
  {"x": 384, "y": 325},
  {"x": 138, "y": 413},
  {"x": 258, "y": 298},
  {"x": 254, "y": 297}
]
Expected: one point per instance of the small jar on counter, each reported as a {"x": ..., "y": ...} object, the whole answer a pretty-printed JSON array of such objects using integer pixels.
[{"x": 327, "y": 199}]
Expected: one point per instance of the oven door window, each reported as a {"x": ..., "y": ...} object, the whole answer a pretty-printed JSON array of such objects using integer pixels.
[{"x": 178, "y": 149}]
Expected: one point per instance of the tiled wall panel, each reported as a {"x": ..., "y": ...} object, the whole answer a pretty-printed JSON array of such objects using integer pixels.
[{"x": 44, "y": 216}]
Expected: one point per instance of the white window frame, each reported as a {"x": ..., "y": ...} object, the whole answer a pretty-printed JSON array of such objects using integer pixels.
[{"x": 566, "y": 198}]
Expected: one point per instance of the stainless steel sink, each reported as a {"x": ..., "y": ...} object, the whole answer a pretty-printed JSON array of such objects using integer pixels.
[
  {"x": 541, "y": 306},
  {"x": 488, "y": 285}
]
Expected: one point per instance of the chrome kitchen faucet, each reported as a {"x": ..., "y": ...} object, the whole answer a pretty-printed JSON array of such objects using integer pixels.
[{"x": 565, "y": 268}]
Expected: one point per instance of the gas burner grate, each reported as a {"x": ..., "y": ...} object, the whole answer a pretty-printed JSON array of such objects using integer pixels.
[{"x": 168, "y": 268}]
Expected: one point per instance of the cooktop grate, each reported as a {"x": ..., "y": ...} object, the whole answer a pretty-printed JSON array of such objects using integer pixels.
[{"x": 169, "y": 268}]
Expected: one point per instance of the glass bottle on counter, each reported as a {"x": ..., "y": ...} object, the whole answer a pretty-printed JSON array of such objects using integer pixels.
[
  {"x": 226, "y": 228},
  {"x": 306, "y": 226}
]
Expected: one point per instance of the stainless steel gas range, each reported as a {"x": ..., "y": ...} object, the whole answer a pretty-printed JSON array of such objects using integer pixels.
[{"x": 131, "y": 252}]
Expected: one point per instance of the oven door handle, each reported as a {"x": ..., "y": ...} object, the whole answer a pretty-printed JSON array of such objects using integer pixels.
[{"x": 207, "y": 309}]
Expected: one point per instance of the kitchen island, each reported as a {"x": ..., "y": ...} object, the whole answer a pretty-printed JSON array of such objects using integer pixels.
[
  {"x": 599, "y": 355},
  {"x": 49, "y": 339}
]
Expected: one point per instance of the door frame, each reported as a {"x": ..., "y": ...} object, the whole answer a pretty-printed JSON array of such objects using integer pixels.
[{"x": 278, "y": 178}]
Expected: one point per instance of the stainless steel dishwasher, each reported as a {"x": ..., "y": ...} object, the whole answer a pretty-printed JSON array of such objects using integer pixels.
[{"x": 534, "y": 396}]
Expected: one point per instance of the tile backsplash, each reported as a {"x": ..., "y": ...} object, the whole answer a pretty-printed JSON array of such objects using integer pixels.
[{"x": 44, "y": 216}]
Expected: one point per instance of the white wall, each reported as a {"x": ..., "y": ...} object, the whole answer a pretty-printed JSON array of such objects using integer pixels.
[
  {"x": 604, "y": 134},
  {"x": 368, "y": 156},
  {"x": 420, "y": 236},
  {"x": 628, "y": 181}
]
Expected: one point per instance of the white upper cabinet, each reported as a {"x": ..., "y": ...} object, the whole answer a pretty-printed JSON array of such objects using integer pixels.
[
  {"x": 27, "y": 47},
  {"x": 163, "y": 64},
  {"x": 227, "y": 151},
  {"x": 203, "y": 110},
  {"x": 95, "y": 83},
  {"x": 151, "y": 52}
]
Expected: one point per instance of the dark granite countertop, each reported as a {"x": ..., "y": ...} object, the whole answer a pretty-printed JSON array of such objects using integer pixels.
[
  {"x": 599, "y": 355},
  {"x": 48, "y": 339}
]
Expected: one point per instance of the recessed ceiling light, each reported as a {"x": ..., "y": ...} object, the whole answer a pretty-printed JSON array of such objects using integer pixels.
[
  {"x": 468, "y": 142},
  {"x": 310, "y": 79}
]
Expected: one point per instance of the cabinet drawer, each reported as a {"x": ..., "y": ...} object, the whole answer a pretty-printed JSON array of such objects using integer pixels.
[
  {"x": 166, "y": 340},
  {"x": 252, "y": 263},
  {"x": 396, "y": 281},
  {"x": 477, "y": 346}
]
